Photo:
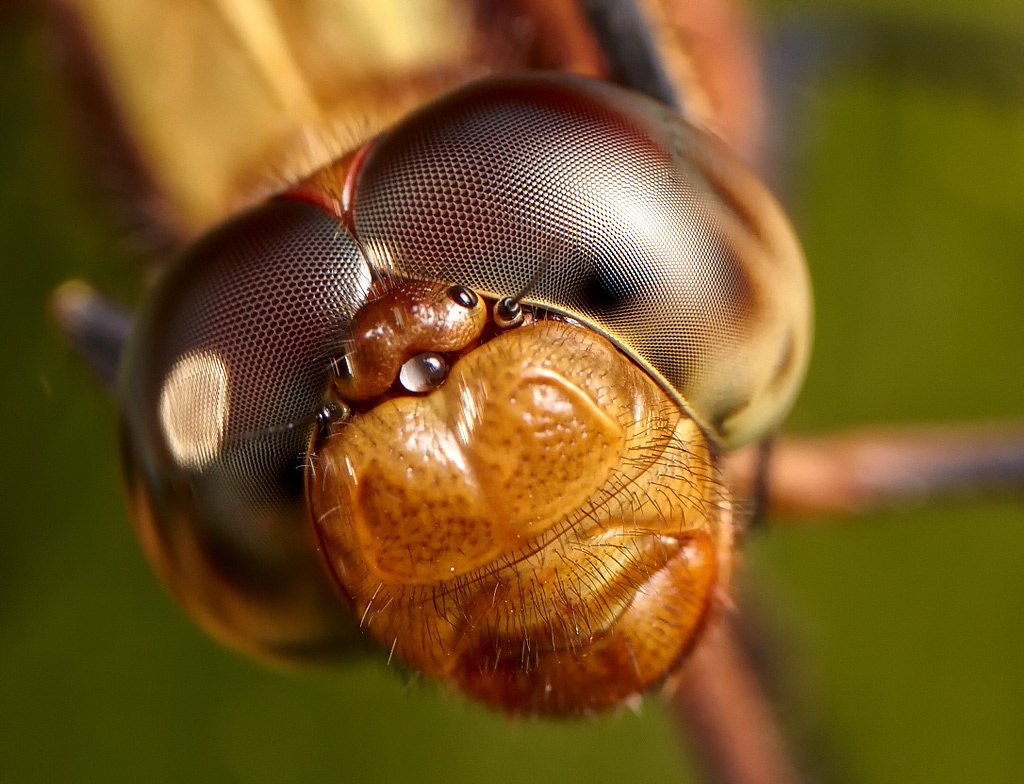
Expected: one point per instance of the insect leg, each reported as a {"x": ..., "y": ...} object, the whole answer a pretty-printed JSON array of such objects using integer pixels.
[
  {"x": 726, "y": 716},
  {"x": 626, "y": 40},
  {"x": 97, "y": 327},
  {"x": 857, "y": 471}
]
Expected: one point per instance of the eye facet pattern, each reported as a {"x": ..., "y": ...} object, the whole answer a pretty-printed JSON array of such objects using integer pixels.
[{"x": 583, "y": 197}]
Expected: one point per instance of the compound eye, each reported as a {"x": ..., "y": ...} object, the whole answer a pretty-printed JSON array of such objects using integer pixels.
[
  {"x": 220, "y": 388},
  {"x": 604, "y": 206}
]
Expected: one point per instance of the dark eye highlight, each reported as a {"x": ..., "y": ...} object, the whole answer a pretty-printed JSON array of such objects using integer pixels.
[{"x": 463, "y": 296}]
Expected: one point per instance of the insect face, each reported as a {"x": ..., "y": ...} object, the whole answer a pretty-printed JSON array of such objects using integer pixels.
[{"x": 542, "y": 305}]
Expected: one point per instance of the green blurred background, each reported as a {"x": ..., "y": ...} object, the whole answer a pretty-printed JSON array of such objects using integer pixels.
[{"x": 907, "y": 629}]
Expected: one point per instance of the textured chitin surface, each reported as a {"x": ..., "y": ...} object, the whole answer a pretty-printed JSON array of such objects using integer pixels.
[
  {"x": 542, "y": 529},
  {"x": 582, "y": 196}
]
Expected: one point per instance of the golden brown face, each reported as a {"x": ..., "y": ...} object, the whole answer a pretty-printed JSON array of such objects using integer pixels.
[
  {"x": 477, "y": 374},
  {"x": 520, "y": 524}
]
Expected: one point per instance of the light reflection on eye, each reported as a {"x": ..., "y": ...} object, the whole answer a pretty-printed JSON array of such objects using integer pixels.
[{"x": 193, "y": 408}]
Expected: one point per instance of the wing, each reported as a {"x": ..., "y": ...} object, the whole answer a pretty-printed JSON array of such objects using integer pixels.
[
  {"x": 212, "y": 103},
  {"x": 195, "y": 108}
]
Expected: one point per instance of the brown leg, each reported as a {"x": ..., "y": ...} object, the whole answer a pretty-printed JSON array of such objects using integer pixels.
[
  {"x": 725, "y": 716},
  {"x": 98, "y": 328},
  {"x": 857, "y": 471}
]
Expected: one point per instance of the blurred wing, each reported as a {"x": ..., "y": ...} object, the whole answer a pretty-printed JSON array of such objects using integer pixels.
[
  {"x": 211, "y": 104},
  {"x": 215, "y": 102},
  {"x": 214, "y": 93}
]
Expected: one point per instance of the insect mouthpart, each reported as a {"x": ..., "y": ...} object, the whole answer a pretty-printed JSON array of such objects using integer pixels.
[{"x": 539, "y": 524}]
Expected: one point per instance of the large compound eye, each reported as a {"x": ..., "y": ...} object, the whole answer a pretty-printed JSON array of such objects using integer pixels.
[
  {"x": 606, "y": 206},
  {"x": 219, "y": 391}
]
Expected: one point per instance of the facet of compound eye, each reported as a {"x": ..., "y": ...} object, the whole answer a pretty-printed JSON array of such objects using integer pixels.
[
  {"x": 601, "y": 204},
  {"x": 220, "y": 389},
  {"x": 423, "y": 373}
]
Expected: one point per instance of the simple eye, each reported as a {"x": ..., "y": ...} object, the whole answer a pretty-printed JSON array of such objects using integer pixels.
[
  {"x": 423, "y": 372},
  {"x": 464, "y": 296}
]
